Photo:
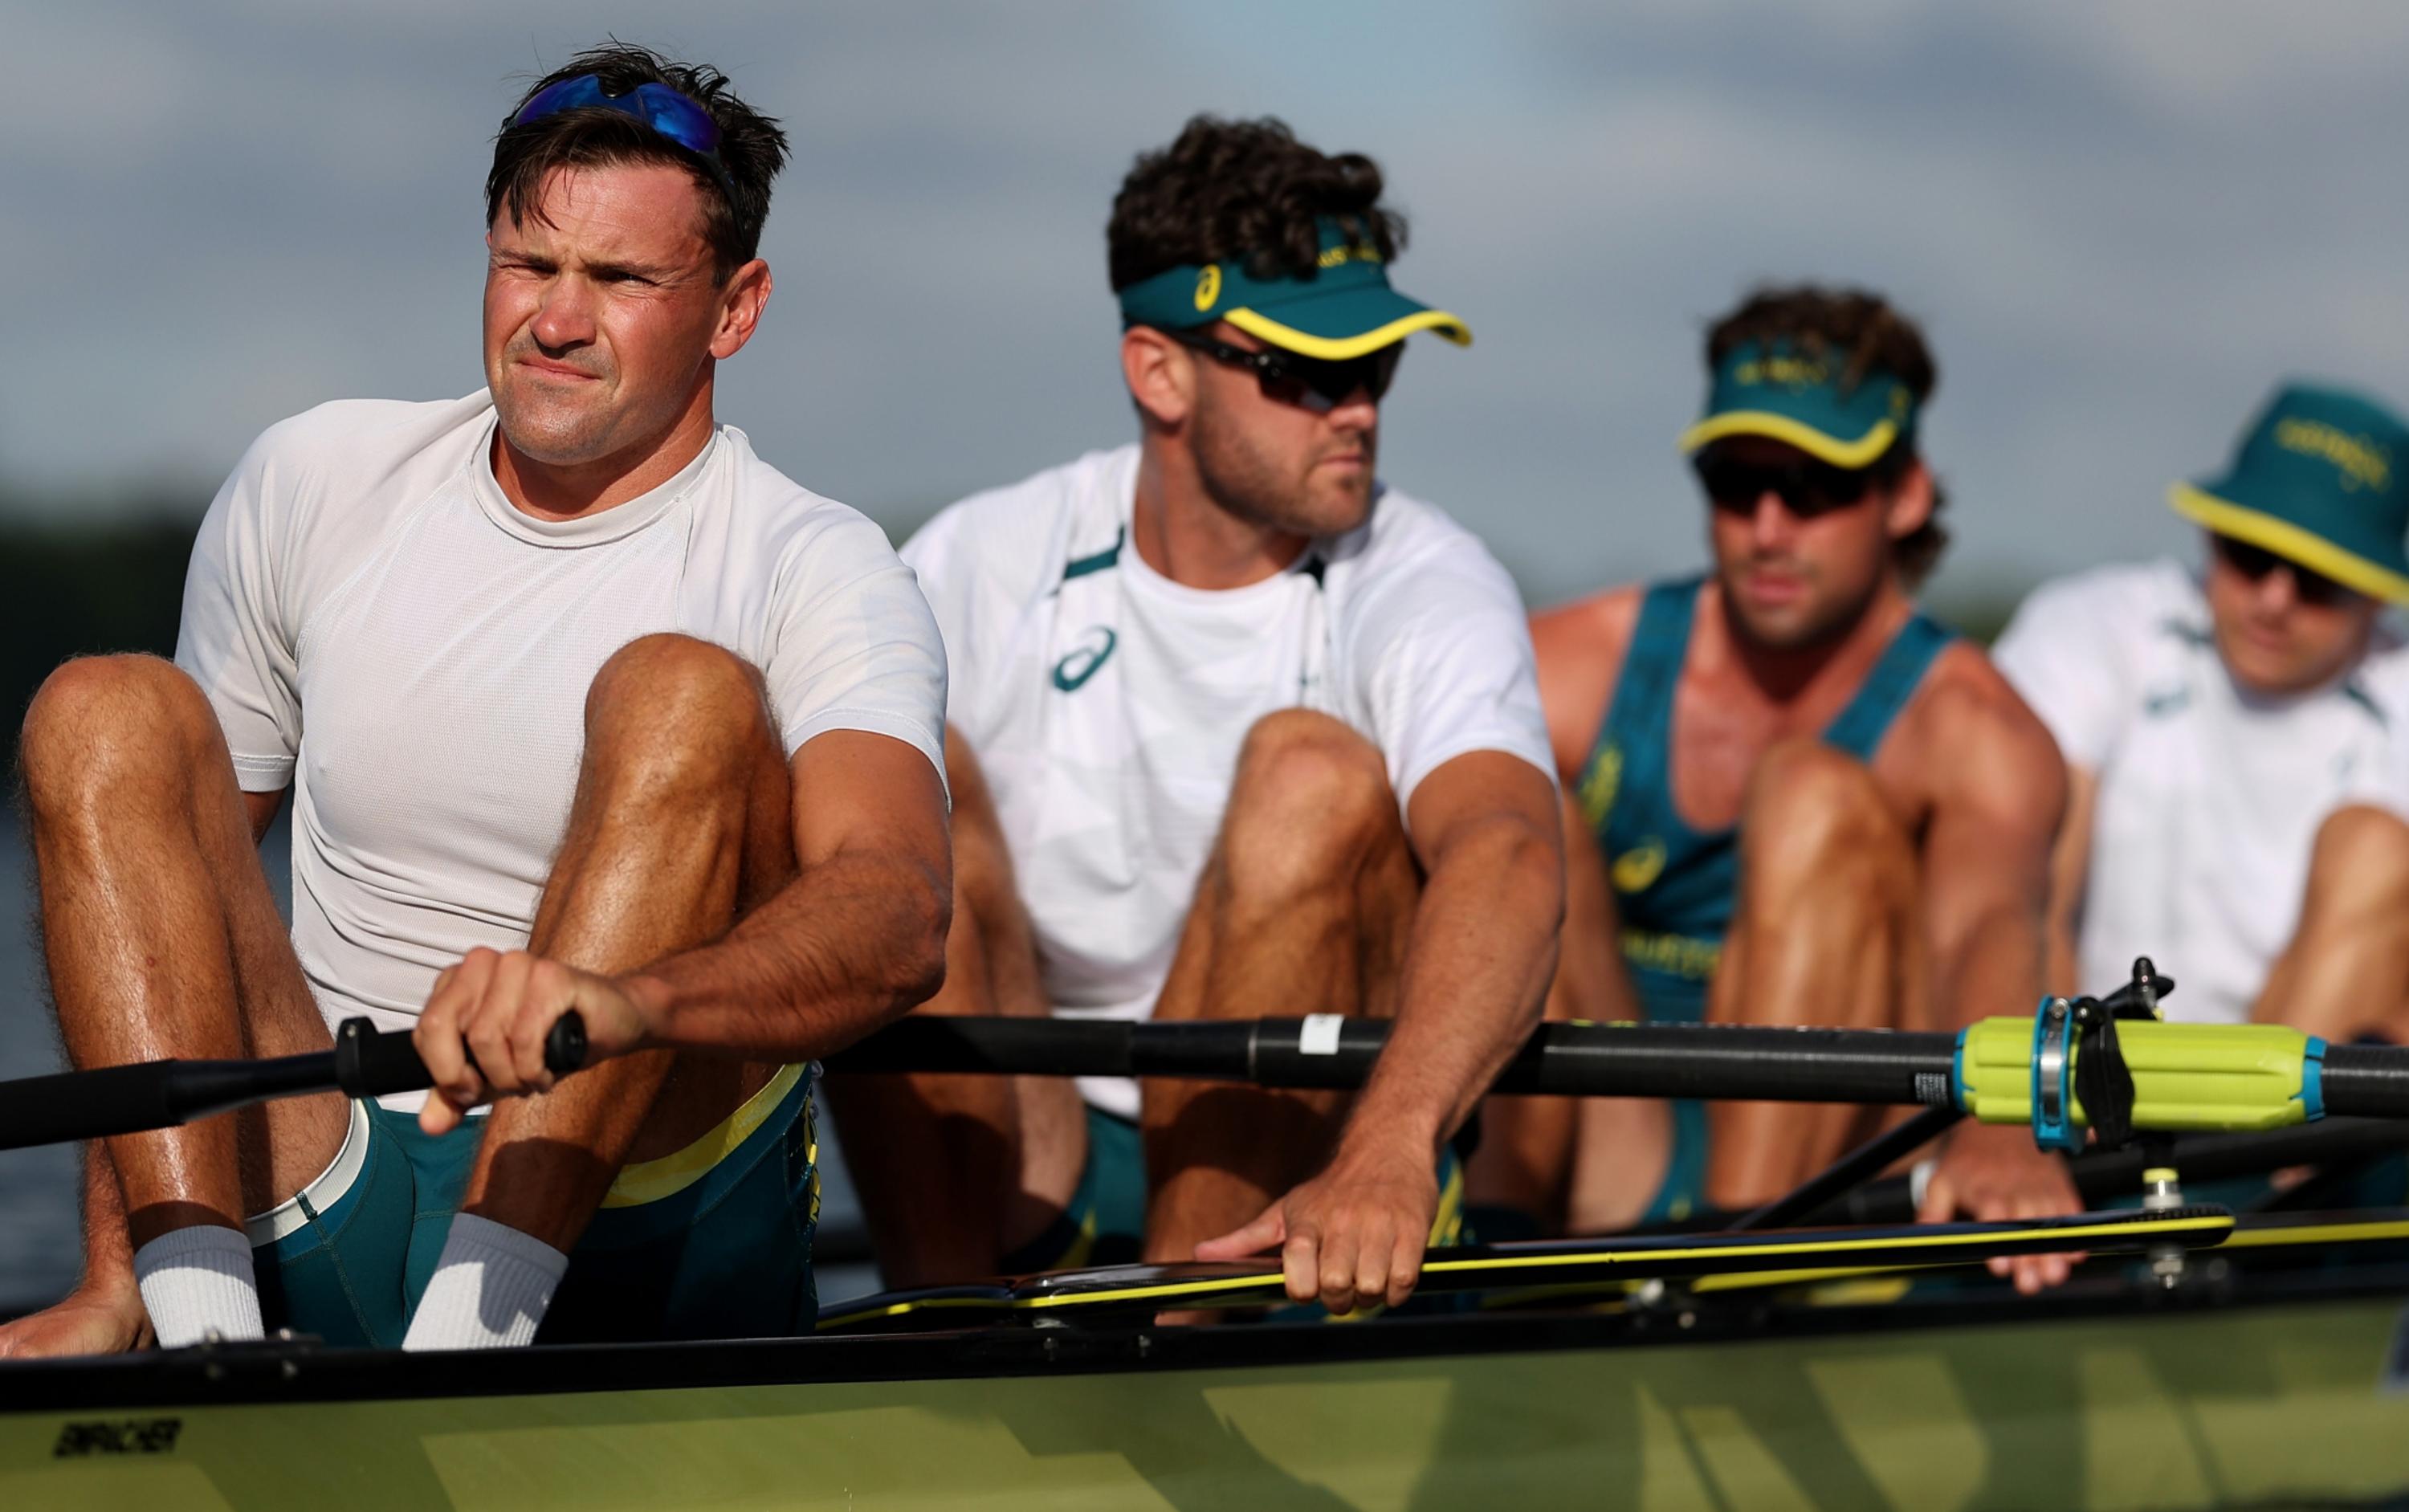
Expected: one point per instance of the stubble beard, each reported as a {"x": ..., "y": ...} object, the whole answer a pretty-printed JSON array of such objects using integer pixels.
[
  {"x": 1240, "y": 480},
  {"x": 1818, "y": 627},
  {"x": 552, "y": 428}
]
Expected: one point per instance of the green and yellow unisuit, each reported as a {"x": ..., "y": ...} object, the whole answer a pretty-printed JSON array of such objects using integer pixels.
[{"x": 713, "y": 1241}]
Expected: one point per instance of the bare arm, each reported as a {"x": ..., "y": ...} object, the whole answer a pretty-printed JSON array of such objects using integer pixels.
[
  {"x": 854, "y": 940},
  {"x": 1476, "y": 973},
  {"x": 262, "y": 809},
  {"x": 1987, "y": 867},
  {"x": 1987, "y": 860},
  {"x": 2070, "y": 872},
  {"x": 1485, "y": 829}
]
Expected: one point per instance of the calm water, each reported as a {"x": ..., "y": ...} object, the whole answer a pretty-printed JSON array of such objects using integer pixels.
[{"x": 39, "y": 1243}]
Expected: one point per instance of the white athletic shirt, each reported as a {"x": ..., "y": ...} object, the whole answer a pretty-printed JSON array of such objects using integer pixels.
[
  {"x": 1107, "y": 703},
  {"x": 379, "y": 627},
  {"x": 2209, "y": 796}
]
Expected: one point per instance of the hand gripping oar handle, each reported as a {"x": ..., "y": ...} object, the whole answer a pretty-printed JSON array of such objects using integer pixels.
[
  {"x": 161, "y": 1094},
  {"x": 370, "y": 1064}
]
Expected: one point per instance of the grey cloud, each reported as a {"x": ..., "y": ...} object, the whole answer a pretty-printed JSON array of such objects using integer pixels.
[{"x": 2122, "y": 224}]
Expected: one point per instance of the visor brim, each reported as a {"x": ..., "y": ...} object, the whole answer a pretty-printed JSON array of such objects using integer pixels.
[{"x": 1862, "y": 453}]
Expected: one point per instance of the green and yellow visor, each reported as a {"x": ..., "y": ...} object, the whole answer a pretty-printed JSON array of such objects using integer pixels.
[
  {"x": 1343, "y": 309},
  {"x": 2321, "y": 479},
  {"x": 1801, "y": 398}
]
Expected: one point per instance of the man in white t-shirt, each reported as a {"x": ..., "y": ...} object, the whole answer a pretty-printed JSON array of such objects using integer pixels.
[
  {"x": 580, "y": 705},
  {"x": 2236, "y": 738},
  {"x": 1234, "y": 730}
]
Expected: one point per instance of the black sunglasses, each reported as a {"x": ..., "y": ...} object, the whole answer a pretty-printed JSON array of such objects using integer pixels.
[
  {"x": 1806, "y": 486},
  {"x": 1311, "y": 382},
  {"x": 2256, "y": 562}
]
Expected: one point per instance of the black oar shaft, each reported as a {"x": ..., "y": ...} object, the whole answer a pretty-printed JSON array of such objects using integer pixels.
[
  {"x": 1802, "y": 1065},
  {"x": 2366, "y": 1081},
  {"x": 158, "y": 1094},
  {"x": 161, "y": 1094}
]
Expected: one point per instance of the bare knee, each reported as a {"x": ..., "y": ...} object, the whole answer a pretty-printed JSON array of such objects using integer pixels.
[
  {"x": 1811, "y": 809},
  {"x": 100, "y": 723},
  {"x": 1311, "y": 797},
  {"x": 2360, "y": 863},
  {"x": 671, "y": 711}
]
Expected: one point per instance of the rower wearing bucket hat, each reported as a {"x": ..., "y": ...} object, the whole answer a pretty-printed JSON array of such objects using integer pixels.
[
  {"x": 1235, "y": 730},
  {"x": 2241, "y": 730},
  {"x": 1789, "y": 797}
]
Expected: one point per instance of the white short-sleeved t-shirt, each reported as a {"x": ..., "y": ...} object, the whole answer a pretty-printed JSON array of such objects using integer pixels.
[
  {"x": 1107, "y": 703},
  {"x": 2209, "y": 796},
  {"x": 379, "y": 628}
]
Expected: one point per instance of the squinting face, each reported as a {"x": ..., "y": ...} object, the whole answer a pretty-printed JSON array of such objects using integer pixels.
[
  {"x": 1797, "y": 580},
  {"x": 1280, "y": 463},
  {"x": 600, "y": 312},
  {"x": 2281, "y": 630}
]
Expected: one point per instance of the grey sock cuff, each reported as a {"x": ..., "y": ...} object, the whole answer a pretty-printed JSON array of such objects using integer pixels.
[
  {"x": 196, "y": 1281},
  {"x": 489, "y": 1290}
]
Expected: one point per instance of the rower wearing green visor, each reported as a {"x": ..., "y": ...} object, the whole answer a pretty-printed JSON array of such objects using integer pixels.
[
  {"x": 1235, "y": 728},
  {"x": 1789, "y": 797}
]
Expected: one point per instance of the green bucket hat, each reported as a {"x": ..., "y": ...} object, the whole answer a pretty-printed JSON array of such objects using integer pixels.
[
  {"x": 2317, "y": 480},
  {"x": 1786, "y": 394},
  {"x": 1343, "y": 309}
]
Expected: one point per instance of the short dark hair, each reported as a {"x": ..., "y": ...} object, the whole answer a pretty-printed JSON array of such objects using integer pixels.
[
  {"x": 752, "y": 149},
  {"x": 1864, "y": 334},
  {"x": 1242, "y": 191}
]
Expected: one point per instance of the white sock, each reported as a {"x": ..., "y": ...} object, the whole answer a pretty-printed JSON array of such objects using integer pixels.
[
  {"x": 490, "y": 1288},
  {"x": 197, "y": 1280}
]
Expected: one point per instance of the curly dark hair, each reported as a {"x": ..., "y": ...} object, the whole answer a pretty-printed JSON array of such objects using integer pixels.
[
  {"x": 1242, "y": 191},
  {"x": 1861, "y": 330},
  {"x": 752, "y": 149}
]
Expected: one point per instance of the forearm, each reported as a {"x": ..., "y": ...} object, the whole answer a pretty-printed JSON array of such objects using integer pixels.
[
  {"x": 851, "y": 944},
  {"x": 1476, "y": 977},
  {"x": 108, "y": 1248},
  {"x": 1997, "y": 967}
]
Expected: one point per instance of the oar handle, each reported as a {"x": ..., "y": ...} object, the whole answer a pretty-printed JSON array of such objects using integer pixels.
[{"x": 370, "y": 1064}]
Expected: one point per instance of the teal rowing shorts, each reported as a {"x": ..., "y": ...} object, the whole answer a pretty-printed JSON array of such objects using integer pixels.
[
  {"x": 1684, "y": 1190},
  {"x": 712, "y": 1242},
  {"x": 1105, "y": 1223}
]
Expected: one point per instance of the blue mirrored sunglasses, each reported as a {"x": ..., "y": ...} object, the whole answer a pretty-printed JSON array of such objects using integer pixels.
[{"x": 657, "y": 105}]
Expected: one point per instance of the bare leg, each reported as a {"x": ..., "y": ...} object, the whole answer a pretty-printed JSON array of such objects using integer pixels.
[
  {"x": 680, "y": 823},
  {"x": 162, "y": 937},
  {"x": 1585, "y": 1165},
  {"x": 1305, "y": 907},
  {"x": 957, "y": 1172},
  {"x": 2346, "y": 971},
  {"x": 1826, "y": 933}
]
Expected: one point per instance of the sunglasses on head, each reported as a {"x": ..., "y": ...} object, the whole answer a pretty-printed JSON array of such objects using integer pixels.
[
  {"x": 1807, "y": 486},
  {"x": 657, "y": 105},
  {"x": 1310, "y": 383},
  {"x": 2256, "y": 562}
]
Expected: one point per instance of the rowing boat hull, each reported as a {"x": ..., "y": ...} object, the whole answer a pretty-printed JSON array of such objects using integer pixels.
[{"x": 2060, "y": 1405}]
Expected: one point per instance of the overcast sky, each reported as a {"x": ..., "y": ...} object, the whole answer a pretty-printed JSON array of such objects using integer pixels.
[{"x": 2121, "y": 223}]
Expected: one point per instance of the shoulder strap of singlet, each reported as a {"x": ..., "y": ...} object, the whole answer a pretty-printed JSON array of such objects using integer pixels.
[
  {"x": 1639, "y": 720},
  {"x": 1859, "y": 727}
]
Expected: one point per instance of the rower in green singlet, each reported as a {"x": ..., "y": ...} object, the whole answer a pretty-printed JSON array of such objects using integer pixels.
[
  {"x": 1790, "y": 798},
  {"x": 1677, "y": 886}
]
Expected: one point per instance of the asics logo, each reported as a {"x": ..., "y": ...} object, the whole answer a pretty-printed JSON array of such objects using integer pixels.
[
  {"x": 2159, "y": 702},
  {"x": 1638, "y": 869},
  {"x": 1084, "y": 660}
]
